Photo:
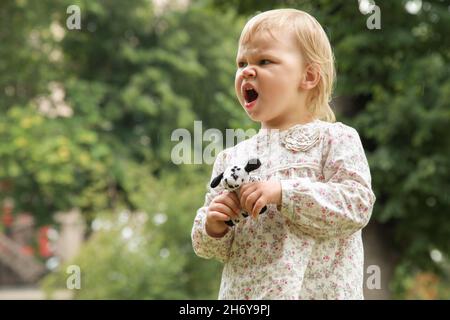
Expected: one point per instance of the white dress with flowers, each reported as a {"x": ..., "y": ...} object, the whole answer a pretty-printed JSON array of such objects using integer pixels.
[{"x": 310, "y": 247}]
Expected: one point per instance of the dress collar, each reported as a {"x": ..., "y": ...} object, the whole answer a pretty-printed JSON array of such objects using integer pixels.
[
  {"x": 298, "y": 137},
  {"x": 284, "y": 131}
]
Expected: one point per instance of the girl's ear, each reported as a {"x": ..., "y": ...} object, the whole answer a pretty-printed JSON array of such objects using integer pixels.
[
  {"x": 310, "y": 77},
  {"x": 216, "y": 180}
]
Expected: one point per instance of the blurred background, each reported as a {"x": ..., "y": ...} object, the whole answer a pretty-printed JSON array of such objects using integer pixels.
[{"x": 86, "y": 117}]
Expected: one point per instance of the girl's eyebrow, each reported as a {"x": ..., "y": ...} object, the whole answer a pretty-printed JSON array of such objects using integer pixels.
[{"x": 266, "y": 53}]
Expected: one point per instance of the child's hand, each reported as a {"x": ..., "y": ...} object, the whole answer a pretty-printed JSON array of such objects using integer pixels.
[
  {"x": 255, "y": 195},
  {"x": 223, "y": 208}
]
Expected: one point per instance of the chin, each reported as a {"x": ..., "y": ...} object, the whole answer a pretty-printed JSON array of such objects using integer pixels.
[
  {"x": 254, "y": 113},
  {"x": 255, "y": 116}
]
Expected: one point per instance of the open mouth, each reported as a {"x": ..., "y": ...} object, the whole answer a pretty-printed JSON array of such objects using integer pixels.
[
  {"x": 230, "y": 186},
  {"x": 250, "y": 95}
]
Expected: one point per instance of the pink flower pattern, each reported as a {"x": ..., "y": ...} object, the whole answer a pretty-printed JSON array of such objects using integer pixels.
[{"x": 310, "y": 247}]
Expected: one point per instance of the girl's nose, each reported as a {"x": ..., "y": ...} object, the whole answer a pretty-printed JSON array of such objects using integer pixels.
[{"x": 249, "y": 72}]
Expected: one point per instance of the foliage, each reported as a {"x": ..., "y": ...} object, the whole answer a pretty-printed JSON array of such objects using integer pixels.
[
  {"x": 95, "y": 134},
  {"x": 141, "y": 255},
  {"x": 86, "y": 118}
]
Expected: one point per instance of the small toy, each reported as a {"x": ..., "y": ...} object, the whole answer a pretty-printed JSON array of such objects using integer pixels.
[{"x": 232, "y": 179}]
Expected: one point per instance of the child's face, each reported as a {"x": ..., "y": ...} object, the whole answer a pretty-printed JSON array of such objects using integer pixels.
[{"x": 273, "y": 68}]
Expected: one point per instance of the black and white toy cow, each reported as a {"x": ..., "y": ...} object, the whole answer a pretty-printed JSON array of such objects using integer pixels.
[{"x": 235, "y": 176}]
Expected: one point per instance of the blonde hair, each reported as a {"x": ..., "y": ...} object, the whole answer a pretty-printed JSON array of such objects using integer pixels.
[{"x": 314, "y": 46}]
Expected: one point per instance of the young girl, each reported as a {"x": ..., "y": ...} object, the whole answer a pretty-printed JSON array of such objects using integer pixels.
[{"x": 316, "y": 181}]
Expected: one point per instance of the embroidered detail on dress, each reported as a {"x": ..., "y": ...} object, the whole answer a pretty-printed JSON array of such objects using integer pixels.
[
  {"x": 310, "y": 165},
  {"x": 300, "y": 138}
]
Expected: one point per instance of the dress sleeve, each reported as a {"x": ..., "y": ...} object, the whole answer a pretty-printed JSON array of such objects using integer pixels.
[
  {"x": 343, "y": 203},
  {"x": 204, "y": 245}
]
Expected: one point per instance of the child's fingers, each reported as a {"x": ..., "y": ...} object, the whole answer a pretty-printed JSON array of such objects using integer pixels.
[
  {"x": 250, "y": 200},
  {"x": 220, "y": 207},
  {"x": 218, "y": 216},
  {"x": 259, "y": 204},
  {"x": 245, "y": 192},
  {"x": 229, "y": 199},
  {"x": 249, "y": 186},
  {"x": 236, "y": 203}
]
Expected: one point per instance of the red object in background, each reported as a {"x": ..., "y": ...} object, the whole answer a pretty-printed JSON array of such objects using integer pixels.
[
  {"x": 44, "y": 243},
  {"x": 7, "y": 217},
  {"x": 27, "y": 250}
]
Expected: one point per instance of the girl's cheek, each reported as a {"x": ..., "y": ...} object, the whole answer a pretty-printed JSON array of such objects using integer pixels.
[
  {"x": 238, "y": 77},
  {"x": 238, "y": 83},
  {"x": 237, "y": 95}
]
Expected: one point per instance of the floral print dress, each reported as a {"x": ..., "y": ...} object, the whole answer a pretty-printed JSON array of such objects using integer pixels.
[{"x": 310, "y": 247}]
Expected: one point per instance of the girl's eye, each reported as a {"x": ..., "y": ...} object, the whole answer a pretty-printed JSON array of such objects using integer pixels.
[{"x": 261, "y": 62}]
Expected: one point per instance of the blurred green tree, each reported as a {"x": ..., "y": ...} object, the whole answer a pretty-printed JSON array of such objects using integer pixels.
[
  {"x": 95, "y": 133},
  {"x": 86, "y": 117},
  {"x": 111, "y": 95}
]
